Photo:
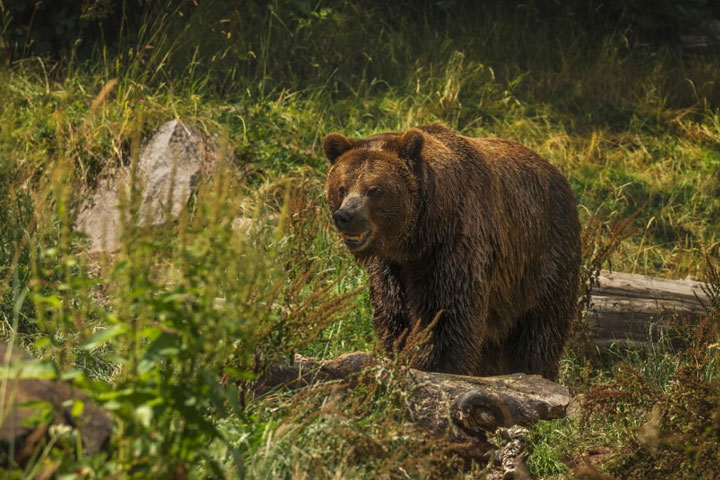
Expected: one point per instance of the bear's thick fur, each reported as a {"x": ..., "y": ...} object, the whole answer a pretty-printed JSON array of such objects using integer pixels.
[{"x": 482, "y": 231}]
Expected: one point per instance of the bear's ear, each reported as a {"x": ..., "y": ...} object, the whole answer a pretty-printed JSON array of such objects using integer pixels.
[
  {"x": 411, "y": 144},
  {"x": 334, "y": 145}
]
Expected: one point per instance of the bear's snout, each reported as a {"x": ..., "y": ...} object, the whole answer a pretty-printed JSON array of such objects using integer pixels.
[
  {"x": 342, "y": 218},
  {"x": 350, "y": 217}
]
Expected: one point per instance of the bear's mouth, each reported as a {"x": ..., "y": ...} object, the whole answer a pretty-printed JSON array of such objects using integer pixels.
[{"x": 353, "y": 242}]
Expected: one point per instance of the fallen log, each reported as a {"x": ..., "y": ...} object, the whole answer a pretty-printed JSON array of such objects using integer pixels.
[
  {"x": 630, "y": 310},
  {"x": 460, "y": 407}
]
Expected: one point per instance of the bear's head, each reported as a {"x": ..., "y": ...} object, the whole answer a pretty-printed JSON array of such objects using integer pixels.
[{"x": 373, "y": 192}]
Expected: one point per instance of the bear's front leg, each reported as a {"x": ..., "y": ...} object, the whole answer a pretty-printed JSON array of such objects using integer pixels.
[
  {"x": 446, "y": 296},
  {"x": 389, "y": 309}
]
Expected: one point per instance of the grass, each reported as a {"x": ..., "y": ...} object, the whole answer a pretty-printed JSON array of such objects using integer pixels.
[{"x": 633, "y": 127}]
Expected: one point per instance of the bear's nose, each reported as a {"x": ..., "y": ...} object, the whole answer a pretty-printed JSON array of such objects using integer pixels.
[{"x": 342, "y": 218}]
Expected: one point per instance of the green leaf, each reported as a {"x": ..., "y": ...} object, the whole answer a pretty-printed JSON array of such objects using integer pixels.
[
  {"x": 103, "y": 336},
  {"x": 77, "y": 408},
  {"x": 144, "y": 414},
  {"x": 52, "y": 300},
  {"x": 236, "y": 374},
  {"x": 29, "y": 369},
  {"x": 164, "y": 346},
  {"x": 41, "y": 343},
  {"x": 71, "y": 374}
]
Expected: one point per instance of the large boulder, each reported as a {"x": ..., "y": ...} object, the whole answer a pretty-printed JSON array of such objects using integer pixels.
[
  {"x": 169, "y": 168},
  {"x": 25, "y": 421},
  {"x": 172, "y": 161},
  {"x": 99, "y": 216}
]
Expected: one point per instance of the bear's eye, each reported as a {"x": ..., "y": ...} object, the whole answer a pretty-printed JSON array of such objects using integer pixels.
[
  {"x": 342, "y": 192},
  {"x": 375, "y": 192}
]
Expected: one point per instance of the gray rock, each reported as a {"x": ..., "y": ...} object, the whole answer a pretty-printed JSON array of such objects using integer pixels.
[
  {"x": 169, "y": 169},
  {"x": 172, "y": 161},
  {"x": 99, "y": 217},
  {"x": 17, "y": 428}
]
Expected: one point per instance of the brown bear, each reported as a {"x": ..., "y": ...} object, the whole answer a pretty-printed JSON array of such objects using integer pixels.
[{"x": 482, "y": 232}]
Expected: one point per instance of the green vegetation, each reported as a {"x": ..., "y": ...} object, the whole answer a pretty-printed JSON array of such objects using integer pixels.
[{"x": 632, "y": 121}]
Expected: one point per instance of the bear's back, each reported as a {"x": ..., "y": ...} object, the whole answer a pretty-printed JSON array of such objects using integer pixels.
[{"x": 513, "y": 201}]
